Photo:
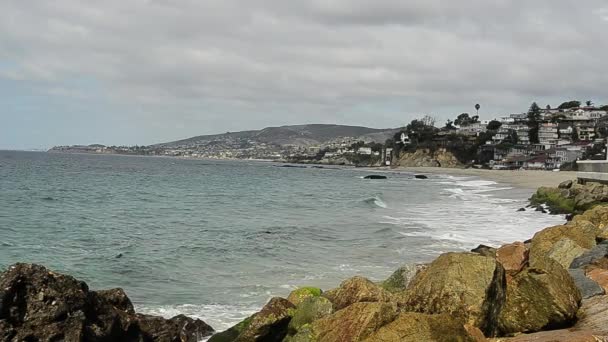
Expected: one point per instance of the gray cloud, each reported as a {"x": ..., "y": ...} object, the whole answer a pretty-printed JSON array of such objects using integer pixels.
[{"x": 206, "y": 66}]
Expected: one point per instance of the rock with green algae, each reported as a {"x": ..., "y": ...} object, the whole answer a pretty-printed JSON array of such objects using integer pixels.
[
  {"x": 539, "y": 299},
  {"x": 310, "y": 310},
  {"x": 562, "y": 243},
  {"x": 354, "y": 290},
  {"x": 401, "y": 278},
  {"x": 354, "y": 323},
  {"x": 556, "y": 199},
  {"x": 268, "y": 325},
  {"x": 416, "y": 327},
  {"x": 462, "y": 285},
  {"x": 297, "y": 296}
]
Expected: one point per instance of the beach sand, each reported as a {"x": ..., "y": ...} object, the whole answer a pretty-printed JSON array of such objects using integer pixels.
[{"x": 528, "y": 179}]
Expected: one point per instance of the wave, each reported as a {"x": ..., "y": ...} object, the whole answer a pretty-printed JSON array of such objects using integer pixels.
[{"x": 375, "y": 201}]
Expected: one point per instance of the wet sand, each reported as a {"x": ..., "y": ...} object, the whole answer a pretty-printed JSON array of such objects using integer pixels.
[{"x": 529, "y": 179}]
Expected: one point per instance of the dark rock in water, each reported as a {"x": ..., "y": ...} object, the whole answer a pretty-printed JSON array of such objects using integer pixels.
[
  {"x": 119, "y": 256},
  {"x": 292, "y": 166},
  {"x": 588, "y": 287},
  {"x": 37, "y": 304},
  {"x": 177, "y": 329},
  {"x": 521, "y": 209},
  {"x": 374, "y": 177},
  {"x": 421, "y": 177},
  {"x": 541, "y": 209},
  {"x": 569, "y": 217},
  {"x": 595, "y": 254},
  {"x": 484, "y": 250}
]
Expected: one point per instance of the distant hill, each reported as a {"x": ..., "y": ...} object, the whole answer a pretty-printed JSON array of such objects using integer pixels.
[{"x": 297, "y": 135}]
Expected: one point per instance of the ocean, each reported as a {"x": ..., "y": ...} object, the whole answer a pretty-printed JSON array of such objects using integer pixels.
[{"x": 217, "y": 239}]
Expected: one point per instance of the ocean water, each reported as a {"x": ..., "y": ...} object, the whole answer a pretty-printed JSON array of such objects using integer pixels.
[{"x": 217, "y": 239}]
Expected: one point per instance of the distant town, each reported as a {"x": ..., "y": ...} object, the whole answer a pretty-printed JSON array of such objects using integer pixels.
[{"x": 543, "y": 138}]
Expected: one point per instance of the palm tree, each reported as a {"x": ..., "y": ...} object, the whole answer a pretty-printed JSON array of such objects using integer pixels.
[{"x": 477, "y": 106}]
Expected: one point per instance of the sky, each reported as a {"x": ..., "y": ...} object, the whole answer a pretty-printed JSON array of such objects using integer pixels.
[{"x": 126, "y": 72}]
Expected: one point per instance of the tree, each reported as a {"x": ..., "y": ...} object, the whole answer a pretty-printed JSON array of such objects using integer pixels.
[
  {"x": 534, "y": 122},
  {"x": 511, "y": 138},
  {"x": 570, "y": 105},
  {"x": 493, "y": 125},
  {"x": 477, "y": 106},
  {"x": 449, "y": 125},
  {"x": 589, "y": 103},
  {"x": 428, "y": 121},
  {"x": 464, "y": 119},
  {"x": 604, "y": 107},
  {"x": 574, "y": 134},
  {"x": 548, "y": 107}
]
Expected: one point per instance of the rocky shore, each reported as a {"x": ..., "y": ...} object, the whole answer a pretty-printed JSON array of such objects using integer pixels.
[{"x": 549, "y": 288}]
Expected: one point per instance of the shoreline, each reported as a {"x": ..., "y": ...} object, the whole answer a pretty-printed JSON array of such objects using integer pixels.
[{"x": 525, "y": 179}]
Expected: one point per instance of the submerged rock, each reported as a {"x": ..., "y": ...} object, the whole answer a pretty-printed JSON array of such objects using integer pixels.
[
  {"x": 357, "y": 289},
  {"x": 375, "y": 177},
  {"x": 37, "y": 304}
]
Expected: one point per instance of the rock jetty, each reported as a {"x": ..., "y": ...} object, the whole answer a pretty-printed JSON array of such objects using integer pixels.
[{"x": 550, "y": 288}]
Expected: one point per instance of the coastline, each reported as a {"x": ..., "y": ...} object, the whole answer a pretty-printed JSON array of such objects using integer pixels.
[{"x": 525, "y": 179}]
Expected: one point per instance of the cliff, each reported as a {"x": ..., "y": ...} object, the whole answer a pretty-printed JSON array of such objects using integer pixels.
[{"x": 428, "y": 158}]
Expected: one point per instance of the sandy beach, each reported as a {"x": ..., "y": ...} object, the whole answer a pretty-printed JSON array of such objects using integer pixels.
[{"x": 529, "y": 179}]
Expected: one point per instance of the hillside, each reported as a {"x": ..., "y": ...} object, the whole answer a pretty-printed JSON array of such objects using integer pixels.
[{"x": 298, "y": 135}]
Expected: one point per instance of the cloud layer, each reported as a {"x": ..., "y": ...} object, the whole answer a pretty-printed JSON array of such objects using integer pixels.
[{"x": 143, "y": 71}]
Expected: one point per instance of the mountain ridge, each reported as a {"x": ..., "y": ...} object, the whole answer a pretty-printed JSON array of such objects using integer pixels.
[{"x": 298, "y": 135}]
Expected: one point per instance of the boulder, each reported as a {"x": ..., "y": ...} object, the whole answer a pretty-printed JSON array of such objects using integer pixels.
[
  {"x": 37, "y": 304},
  {"x": 416, "y": 327},
  {"x": 566, "y": 184},
  {"x": 268, "y": 325},
  {"x": 594, "y": 315},
  {"x": 581, "y": 236},
  {"x": 354, "y": 323},
  {"x": 401, "y": 278},
  {"x": 554, "y": 199},
  {"x": 299, "y": 295},
  {"x": 484, "y": 250},
  {"x": 177, "y": 329},
  {"x": 310, "y": 310},
  {"x": 538, "y": 299},
  {"x": 564, "y": 251},
  {"x": 597, "y": 216},
  {"x": 596, "y": 253},
  {"x": 354, "y": 290},
  {"x": 562, "y": 335},
  {"x": 462, "y": 285},
  {"x": 599, "y": 276},
  {"x": 375, "y": 177},
  {"x": 588, "y": 287},
  {"x": 513, "y": 257}
]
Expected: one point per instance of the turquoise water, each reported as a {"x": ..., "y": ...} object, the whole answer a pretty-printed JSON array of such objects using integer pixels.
[{"x": 217, "y": 239}]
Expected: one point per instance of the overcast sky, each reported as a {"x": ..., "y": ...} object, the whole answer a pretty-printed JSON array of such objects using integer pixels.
[{"x": 147, "y": 71}]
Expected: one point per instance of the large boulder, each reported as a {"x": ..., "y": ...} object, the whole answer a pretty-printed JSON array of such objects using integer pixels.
[
  {"x": 562, "y": 243},
  {"x": 538, "y": 299},
  {"x": 354, "y": 323},
  {"x": 401, "y": 278},
  {"x": 310, "y": 310},
  {"x": 416, "y": 327},
  {"x": 597, "y": 216},
  {"x": 466, "y": 286},
  {"x": 357, "y": 289},
  {"x": 268, "y": 325},
  {"x": 513, "y": 257},
  {"x": 297, "y": 296},
  {"x": 586, "y": 285},
  {"x": 37, "y": 304}
]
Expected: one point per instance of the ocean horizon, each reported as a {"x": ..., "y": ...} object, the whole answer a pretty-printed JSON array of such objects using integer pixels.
[{"x": 216, "y": 239}]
